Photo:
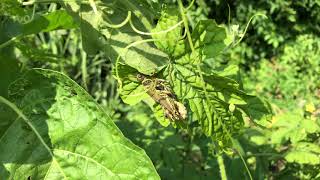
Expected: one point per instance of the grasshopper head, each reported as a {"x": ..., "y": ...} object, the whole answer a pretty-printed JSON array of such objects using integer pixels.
[{"x": 140, "y": 77}]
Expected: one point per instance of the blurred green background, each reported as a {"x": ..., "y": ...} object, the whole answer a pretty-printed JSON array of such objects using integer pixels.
[{"x": 279, "y": 59}]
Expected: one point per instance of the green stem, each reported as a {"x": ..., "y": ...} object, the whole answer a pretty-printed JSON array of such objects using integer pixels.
[
  {"x": 186, "y": 26},
  {"x": 222, "y": 168},
  {"x": 84, "y": 70},
  {"x": 245, "y": 165},
  {"x": 185, "y": 22},
  {"x": 7, "y": 43},
  {"x": 245, "y": 30}
]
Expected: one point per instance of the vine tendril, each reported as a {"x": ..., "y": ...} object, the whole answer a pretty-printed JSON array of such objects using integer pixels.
[
  {"x": 153, "y": 33},
  {"x": 124, "y": 22},
  {"x": 190, "y": 5},
  {"x": 245, "y": 30},
  {"x": 33, "y": 13}
]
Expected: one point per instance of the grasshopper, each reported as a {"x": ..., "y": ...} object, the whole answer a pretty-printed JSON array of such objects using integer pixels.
[{"x": 160, "y": 92}]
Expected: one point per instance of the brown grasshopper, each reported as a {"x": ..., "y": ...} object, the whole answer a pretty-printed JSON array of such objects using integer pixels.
[{"x": 160, "y": 91}]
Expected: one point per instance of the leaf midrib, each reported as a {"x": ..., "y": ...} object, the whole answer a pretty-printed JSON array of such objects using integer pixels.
[{"x": 28, "y": 122}]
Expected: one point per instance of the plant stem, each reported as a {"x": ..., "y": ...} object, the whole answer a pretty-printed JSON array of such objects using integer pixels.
[
  {"x": 222, "y": 168},
  {"x": 7, "y": 43},
  {"x": 186, "y": 26},
  {"x": 185, "y": 22},
  {"x": 84, "y": 70}
]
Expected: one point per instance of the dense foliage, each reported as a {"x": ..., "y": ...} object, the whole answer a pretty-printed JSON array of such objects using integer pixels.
[{"x": 50, "y": 127}]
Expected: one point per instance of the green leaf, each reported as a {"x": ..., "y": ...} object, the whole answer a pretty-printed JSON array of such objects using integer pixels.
[
  {"x": 38, "y": 55},
  {"x": 63, "y": 133},
  {"x": 291, "y": 126},
  {"x": 59, "y": 19},
  {"x": 9, "y": 71},
  {"x": 304, "y": 153},
  {"x": 224, "y": 88},
  {"x": 208, "y": 95},
  {"x": 257, "y": 109},
  {"x": 221, "y": 91},
  {"x": 214, "y": 116},
  {"x": 171, "y": 42},
  {"x": 160, "y": 116},
  {"x": 131, "y": 91},
  {"x": 133, "y": 48},
  {"x": 257, "y": 136},
  {"x": 208, "y": 39},
  {"x": 230, "y": 71}
]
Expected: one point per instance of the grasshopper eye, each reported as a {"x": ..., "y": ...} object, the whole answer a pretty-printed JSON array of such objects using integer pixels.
[
  {"x": 159, "y": 87},
  {"x": 140, "y": 77}
]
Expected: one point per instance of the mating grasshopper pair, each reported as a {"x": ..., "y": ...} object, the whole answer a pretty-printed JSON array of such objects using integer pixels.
[{"x": 160, "y": 91}]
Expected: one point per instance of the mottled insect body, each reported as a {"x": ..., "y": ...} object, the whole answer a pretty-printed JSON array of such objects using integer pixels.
[{"x": 160, "y": 91}]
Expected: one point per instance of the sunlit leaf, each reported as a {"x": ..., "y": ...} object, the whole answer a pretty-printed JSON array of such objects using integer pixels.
[
  {"x": 208, "y": 95},
  {"x": 55, "y": 20},
  {"x": 65, "y": 134},
  {"x": 124, "y": 41},
  {"x": 170, "y": 42},
  {"x": 304, "y": 153}
]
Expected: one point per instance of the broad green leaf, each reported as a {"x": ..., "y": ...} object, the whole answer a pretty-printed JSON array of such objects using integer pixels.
[
  {"x": 89, "y": 22},
  {"x": 207, "y": 96},
  {"x": 291, "y": 126},
  {"x": 229, "y": 71},
  {"x": 221, "y": 91},
  {"x": 98, "y": 35},
  {"x": 257, "y": 109},
  {"x": 131, "y": 91},
  {"x": 170, "y": 42},
  {"x": 257, "y": 136},
  {"x": 212, "y": 114},
  {"x": 160, "y": 116},
  {"x": 211, "y": 108},
  {"x": 304, "y": 153},
  {"x": 65, "y": 134},
  {"x": 59, "y": 19},
  {"x": 224, "y": 88},
  {"x": 9, "y": 71},
  {"x": 208, "y": 39}
]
